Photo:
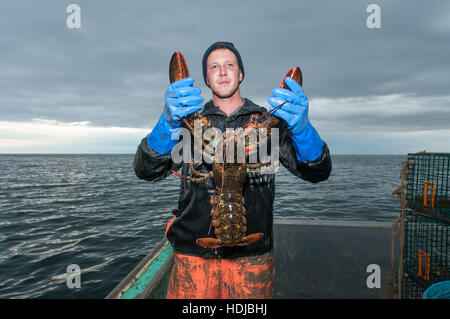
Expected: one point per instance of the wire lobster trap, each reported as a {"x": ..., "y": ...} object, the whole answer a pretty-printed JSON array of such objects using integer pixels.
[
  {"x": 423, "y": 227},
  {"x": 426, "y": 254},
  {"x": 427, "y": 188},
  {"x": 411, "y": 289}
]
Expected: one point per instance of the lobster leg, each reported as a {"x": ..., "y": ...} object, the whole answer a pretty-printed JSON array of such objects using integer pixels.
[
  {"x": 195, "y": 179},
  {"x": 260, "y": 145},
  {"x": 208, "y": 152},
  {"x": 253, "y": 168},
  {"x": 252, "y": 148},
  {"x": 197, "y": 173}
]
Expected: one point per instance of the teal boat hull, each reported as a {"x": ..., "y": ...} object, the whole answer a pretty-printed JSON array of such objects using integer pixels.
[{"x": 150, "y": 278}]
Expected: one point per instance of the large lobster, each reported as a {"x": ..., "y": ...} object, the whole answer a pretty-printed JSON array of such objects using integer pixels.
[{"x": 227, "y": 204}]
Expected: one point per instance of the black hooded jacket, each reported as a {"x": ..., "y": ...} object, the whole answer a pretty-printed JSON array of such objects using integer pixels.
[{"x": 193, "y": 218}]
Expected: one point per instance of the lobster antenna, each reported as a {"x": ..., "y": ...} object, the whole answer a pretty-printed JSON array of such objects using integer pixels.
[{"x": 261, "y": 116}]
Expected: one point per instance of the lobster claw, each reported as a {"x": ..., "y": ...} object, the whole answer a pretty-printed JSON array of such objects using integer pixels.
[
  {"x": 178, "y": 69},
  {"x": 295, "y": 74}
]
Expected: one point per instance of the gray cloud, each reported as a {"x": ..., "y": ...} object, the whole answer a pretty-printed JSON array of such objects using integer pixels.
[
  {"x": 390, "y": 113},
  {"x": 113, "y": 71}
]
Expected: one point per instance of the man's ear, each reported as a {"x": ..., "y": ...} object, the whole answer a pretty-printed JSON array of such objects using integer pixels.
[
  {"x": 207, "y": 82},
  {"x": 241, "y": 77}
]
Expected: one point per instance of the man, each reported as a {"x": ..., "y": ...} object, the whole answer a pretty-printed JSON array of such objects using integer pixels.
[{"x": 238, "y": 271}]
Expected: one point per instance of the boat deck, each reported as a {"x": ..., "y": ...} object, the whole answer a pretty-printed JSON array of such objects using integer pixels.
[
  {"x": 329, "y": 259},
  {"x": 313, "y": 259}
]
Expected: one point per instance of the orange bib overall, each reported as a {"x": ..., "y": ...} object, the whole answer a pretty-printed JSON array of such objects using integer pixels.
[{"x": 216, "y": 278}]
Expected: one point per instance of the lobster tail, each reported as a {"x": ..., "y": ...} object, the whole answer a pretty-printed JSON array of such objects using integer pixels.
[{"x": 178, "y": 69}]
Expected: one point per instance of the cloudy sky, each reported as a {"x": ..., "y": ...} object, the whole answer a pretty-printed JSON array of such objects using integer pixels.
[{"x": 99, "y": 88}]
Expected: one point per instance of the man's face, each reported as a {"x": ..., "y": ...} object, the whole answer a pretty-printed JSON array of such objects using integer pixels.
[{"x": 222, "y": 73}]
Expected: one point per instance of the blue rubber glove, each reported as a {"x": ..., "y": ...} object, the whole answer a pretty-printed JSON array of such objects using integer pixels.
[
  {"x": 307, "y": 142},
  {"x": 181, "y": 99}
]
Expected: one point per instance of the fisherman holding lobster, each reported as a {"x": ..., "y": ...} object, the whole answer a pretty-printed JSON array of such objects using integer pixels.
[{"x": 211, "y": 267}]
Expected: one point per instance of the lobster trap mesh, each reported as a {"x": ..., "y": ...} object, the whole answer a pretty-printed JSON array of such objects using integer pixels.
[
  {"x": 411, "y": 289},
  {"x": 426, "y": 254},
  {"x": 427, "y": 188}
]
